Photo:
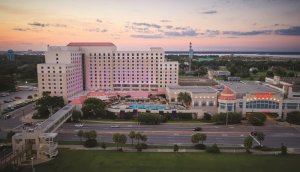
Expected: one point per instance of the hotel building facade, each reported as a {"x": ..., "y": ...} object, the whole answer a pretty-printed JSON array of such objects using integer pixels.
[{"x": 99, "y": 66}]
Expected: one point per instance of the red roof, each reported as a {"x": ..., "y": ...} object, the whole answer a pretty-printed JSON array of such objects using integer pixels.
[
  {"x": 90, "y": 44},
  {"x": 227, "y": 94}
]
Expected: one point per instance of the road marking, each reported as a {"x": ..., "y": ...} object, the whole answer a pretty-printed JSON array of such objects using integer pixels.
[
  {"x": 176, "y": 134},
  {"x": 242, "y": 135},
  {"x": 231, "y": 127},
  {"x": 224, "y": 134},
  {"x": 129, "y": 125},
  {"x": 216, "y": 127}
]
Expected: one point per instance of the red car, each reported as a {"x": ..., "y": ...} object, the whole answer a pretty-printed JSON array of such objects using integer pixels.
[{"x": 18, "y": 97}]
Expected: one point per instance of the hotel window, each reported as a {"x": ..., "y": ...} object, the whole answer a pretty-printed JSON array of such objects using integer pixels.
[
  {"x": 196, "y": 104},
  {"x": 210, "y": 103},
  {"x": 292, "y": 105},
  {"x": 203, "y": 103}
]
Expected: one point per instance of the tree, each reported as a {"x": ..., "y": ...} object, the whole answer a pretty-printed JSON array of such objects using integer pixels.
[
  {"x": 283, "y": 149},
  {"x": 122, "y": 140},
  {"x": 150, "y": 118},
  {"x": 43, "y": 112},
  {"x": 293, "y": 117},
  {"x": 269, "y": 74},
  {"x": 175, "y": 148},
  {"x": 9, "y": 136},
  {"x": 185, "y": 98},
  {"x": 260, "y": 137},
  {"x": 76, "y": 115},
  {"x": 131, "y": 135},
  {"x": 93, "y": 108},
  {"x": 248, "y": 143},
  {"x": 138, "y": 137},
  {"x": 116, "y": 138},
  {"x": 119, "y": 139},
  {"x": 80, "y": 134},
  {"x": 35, "y": 95},
  {"x": 29, "y": 97},
  {"x": 233, "y": 118},
  {"x": 196, "y": 138},
  {"x": 257, "y": 118},
  {"x": 144, "y": 138},
  {"x": 90, "y": 135}
]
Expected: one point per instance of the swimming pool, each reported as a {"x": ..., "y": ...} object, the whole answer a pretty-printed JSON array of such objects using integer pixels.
[{"x": 149, "y": 107}]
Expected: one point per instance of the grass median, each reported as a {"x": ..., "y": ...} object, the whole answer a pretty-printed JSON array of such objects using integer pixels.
[{"x": 80, "y": 160}]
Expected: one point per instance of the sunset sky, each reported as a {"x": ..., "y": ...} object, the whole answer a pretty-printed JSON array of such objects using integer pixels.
[{"x": 231, "y": 25}]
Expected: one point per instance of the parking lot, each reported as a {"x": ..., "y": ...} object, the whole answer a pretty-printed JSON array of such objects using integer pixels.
[{"x": 15, "y": 98}]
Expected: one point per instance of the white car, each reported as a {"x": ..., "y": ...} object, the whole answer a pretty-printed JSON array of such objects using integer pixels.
[
  {"x": 114, "y": 126},
  {"x": 78, "y": 125}
]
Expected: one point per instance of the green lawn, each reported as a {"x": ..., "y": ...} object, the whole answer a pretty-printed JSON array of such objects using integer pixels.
[{"x": 89, "y": 161}]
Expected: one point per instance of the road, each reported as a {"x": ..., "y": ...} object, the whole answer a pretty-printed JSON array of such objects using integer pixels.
[
  {"x": 15, "y": 119},
  {"x": 180, "y": 134}
]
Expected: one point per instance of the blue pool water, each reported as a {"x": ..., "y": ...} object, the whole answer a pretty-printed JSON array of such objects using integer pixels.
[{"x": 149, "y": 107}]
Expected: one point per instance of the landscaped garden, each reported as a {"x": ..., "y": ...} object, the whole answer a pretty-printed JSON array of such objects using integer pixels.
[{"x": 80, "y": 160}]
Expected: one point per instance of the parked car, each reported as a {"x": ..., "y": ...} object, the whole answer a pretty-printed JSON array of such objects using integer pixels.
[
  {"x": 17, "y": 97},
  {"x": 114, "y": 126},
  {"x": 197, "y": 129}
]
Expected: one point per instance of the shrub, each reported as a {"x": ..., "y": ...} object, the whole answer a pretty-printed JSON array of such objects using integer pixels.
[
  {"x": 213, "y": 149},
  {"x": 283, "y": 150},
  {"x": 144, "y": 145},
  {"x": 207, "y": 117},
  {"x": 233, "y": 118},
  {"x": 257, "y": 119},
  {"x": 293, "y": 117},
  {"x": 175, "y": 148},
  {"x": 103, "y": 145},
  {"x": 110, "y": 115},
  {"x": 90, "y": 143},
  {"x": 200, "y": 146},
  {"x": 265, "y": 148},
  {"x": 150, "y": 118},
  {"x": 129, "y": 115},
  {"x": 185, "y": 116},
  {"x": 139, "y": 147}
]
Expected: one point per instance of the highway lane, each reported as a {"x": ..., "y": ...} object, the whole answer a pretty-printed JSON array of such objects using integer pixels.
[{"x": 232, "y": 135}]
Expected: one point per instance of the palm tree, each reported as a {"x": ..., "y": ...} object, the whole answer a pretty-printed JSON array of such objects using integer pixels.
[
  {"x": 131, "y": 135},
  {"x": 116, "y": 138},
  {"x": 144, "y": 138},
  {"x": 138, "y": 137},
  {"x": 185, "y": 98},
  {"x": 122, "y": 140}
]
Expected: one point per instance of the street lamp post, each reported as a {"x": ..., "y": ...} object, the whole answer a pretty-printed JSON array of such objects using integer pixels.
[{"x": 32, "y": 164}]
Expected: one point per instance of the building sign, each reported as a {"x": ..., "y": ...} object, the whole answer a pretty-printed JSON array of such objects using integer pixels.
[{"x": 263, "y": 95}]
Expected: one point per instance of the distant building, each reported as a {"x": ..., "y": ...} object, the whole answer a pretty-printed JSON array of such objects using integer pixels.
[
  {"x": 10, "y": 55},
  {"x": 219, "y": 73}
]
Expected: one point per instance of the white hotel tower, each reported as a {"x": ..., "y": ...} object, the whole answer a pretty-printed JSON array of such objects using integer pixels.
[{"x": 98, "y": 66}]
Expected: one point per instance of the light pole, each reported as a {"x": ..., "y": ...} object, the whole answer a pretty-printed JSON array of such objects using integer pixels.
[
  {"x": 32, "y": 164},
  {"x": 227, "y": 117}
]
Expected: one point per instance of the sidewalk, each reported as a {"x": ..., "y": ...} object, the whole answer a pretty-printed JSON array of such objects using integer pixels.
[{"x": 182, "y": 150}]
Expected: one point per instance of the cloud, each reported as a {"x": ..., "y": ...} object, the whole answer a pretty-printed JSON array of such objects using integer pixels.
[
  {"x": 146, "y": 25},
  {"x": 291, "y": 31},
  {"x": 250, "y": 33},
  {"x": 212, "y": 33},
  {"x": 21, "y": 29},
  {"x": 146, "y": 36},
  {"x": 188, "y": 32},
  {"x": 38, "y": 24},
  {"x": 99, "y": 21},
  {"x": 169, "y": 27},
  {"x": 97, "y": 30},
  {"x": 210, "y": 12},
  {"x": 165, "y": 21},
  {"x": 58, "y": 25}
]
